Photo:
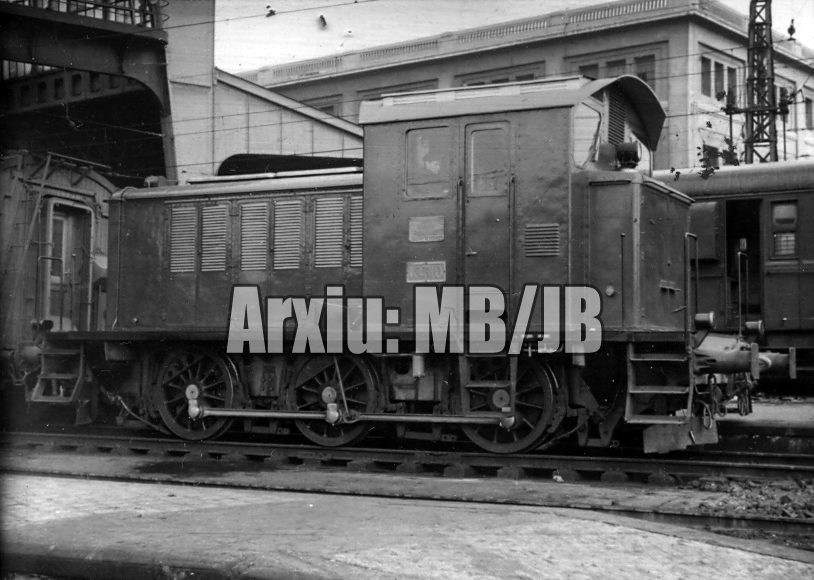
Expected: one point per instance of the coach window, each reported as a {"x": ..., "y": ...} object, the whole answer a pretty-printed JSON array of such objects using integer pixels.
[
  {"x": 587, "y": 132},
  {"x": 428, "y": 162},
  {"x": 60, "y": 231},
  {"x": 488, "y": 159},
  {"x": 784, "y": 229}
]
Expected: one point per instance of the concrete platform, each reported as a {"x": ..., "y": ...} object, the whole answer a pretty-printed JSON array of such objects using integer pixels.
[
  {"x": 114, "y": 529},
  {"x": 795, "y": 414}
]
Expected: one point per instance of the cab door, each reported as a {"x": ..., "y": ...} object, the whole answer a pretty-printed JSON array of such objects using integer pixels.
[{"x": 488, "y": 205}]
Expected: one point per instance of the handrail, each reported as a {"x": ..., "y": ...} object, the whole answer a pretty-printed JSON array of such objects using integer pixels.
[
  {"x": 61, "y": 287},
  {"x": 688, "y": 316},
  {"x": 740, "y": 256}
]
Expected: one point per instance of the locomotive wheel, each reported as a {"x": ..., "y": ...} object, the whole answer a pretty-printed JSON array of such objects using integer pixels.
[
  {"x": 534, "y": 403},
  {"x": 317, "y": 382},
  {"x": 215, "y": 380}
]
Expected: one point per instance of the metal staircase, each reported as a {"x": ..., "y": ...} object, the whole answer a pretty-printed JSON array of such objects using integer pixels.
[
  {"x": 62, "y": 374},
  {"x": 639, "y": 368}
]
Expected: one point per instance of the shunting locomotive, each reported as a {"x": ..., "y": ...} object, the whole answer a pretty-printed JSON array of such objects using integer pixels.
[{"x": 542, "y": 182}]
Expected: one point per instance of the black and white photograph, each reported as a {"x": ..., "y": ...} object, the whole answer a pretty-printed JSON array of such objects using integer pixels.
[{"x": 406, "y": 289}]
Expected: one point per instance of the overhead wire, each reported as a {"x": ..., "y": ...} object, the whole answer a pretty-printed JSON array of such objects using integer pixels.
[
  {"x": 146, "y": 31},
  {"x": 244, "y": 113},
  {"x": 278, "y": 109}
]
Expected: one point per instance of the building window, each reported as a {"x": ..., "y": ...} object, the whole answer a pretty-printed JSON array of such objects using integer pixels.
[
  {"x": 616, "y": 68},
  {"x": 809, "y": 114},
  {"x": 732, "y": 85},
  {"x": 330, "y": 104},
  {"x": 785, "y": 100},
  {"x": 711, "y": 156},
  {"x": 330, "y": 109},
  {"x": 706, "y": 76},
  {"x": 646, "y": 69},
  {"x": 590, "y": 70},
  {"x": 428, "y": 162},
  {"x": 719, "y": 80},
  {"x": 525, "y": 72},
  {"x": 784, "y": 229}
]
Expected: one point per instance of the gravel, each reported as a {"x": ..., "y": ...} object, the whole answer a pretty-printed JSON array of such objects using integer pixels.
[{"x": 786, "y": 498}]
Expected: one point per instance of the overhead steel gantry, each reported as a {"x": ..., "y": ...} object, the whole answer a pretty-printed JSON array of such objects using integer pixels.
[
  {"x": 41, "y": 41},
  {"x": 761, "y": 110},
  {"x": 115, "y": 37}
]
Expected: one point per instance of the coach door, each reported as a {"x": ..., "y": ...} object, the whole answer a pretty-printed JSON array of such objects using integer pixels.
[
  {"x": 68, "y": 265},
  {"x": 487, "y": 206}
]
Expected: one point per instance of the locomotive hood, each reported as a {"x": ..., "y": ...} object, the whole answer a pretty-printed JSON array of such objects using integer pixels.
[{"x": 536, "y": 94}]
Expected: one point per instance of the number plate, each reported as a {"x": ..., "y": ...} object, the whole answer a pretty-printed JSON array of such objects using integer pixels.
[
  {"x": 427, "y": 229},
  {"x": 426, "y": 272}
]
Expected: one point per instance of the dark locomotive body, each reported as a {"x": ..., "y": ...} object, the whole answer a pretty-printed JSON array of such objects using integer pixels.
[
  {"x": 529, "y": 183},
  {"x": 756, "y": 261}
]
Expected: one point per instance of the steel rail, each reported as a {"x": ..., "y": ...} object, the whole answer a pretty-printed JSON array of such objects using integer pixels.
[{"x": 765, "y": 466}]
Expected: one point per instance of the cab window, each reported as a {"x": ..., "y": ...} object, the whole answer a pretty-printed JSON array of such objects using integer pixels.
[
  {"x": 488, "y": 160},
  {"x": 428, "y": 162}
]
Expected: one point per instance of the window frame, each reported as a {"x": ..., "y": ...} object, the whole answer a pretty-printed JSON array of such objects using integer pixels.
[
  {"x": 784, "y": 229},
  {"x": 706, "y": 76},
  {"x": 409, "y": 163},
  {"x": 470, "y": 130}
]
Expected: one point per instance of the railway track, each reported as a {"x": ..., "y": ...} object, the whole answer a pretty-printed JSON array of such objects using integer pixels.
[
  {"x": 223, "y": 457},
  {"x": 682, "y": 466}
]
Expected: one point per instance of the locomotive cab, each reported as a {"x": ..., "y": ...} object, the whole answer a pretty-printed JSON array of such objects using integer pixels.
[
  {"x": 543, "y": 182},
  {"x": 532, "y": 182}
]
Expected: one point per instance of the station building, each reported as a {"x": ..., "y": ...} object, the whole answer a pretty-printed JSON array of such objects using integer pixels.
[{"x": 693, "y": 53}]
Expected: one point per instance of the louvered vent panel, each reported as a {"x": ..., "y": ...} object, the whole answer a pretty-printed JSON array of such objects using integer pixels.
[
  {"x": 254, "y": 227},
  {"x": 213, "y": 238},
  {"x": 542, "y": 240},
  {"x": 356, "y": 235},
  {"x": 616, "y": 118},
  {"x": 183, "y": 231},
  {"x": 329, "y": 242},
  {"x": 287, "y": 234}
]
